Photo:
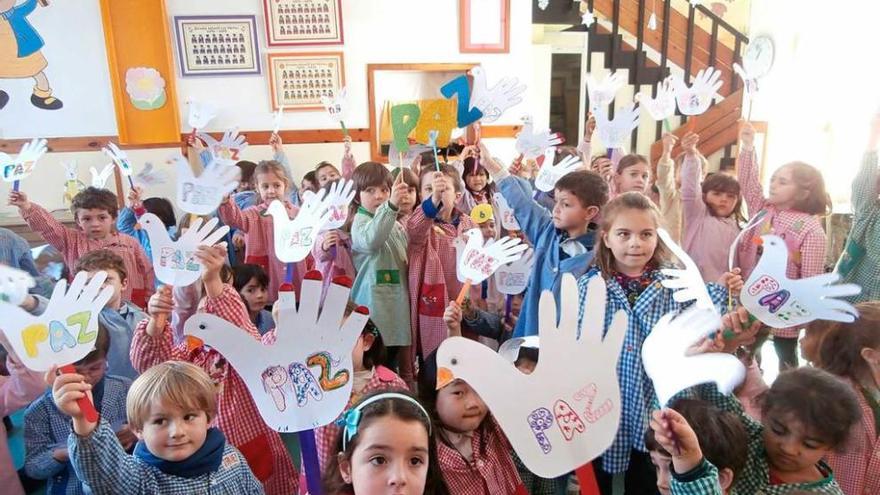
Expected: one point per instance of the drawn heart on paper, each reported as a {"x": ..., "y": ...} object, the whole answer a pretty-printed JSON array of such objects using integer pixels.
[{"x": 569, "y": 422}]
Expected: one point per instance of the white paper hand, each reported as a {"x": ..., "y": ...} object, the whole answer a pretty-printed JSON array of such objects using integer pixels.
[
  {"x": 339, "y": 198},
  {"x": 695, "y": 100},
  {"x": 174, "y": 261},
  {"x": 662, "y": 106},
  {"x": 601, "y": 94},
  {"x": 508, "y": 218},
  {"x": 513, "y": 278},
  {"x": 277, "y": 117},
  {"x": 688, "y": 284},
  {"x": 550, "y": 173},
  {"x": 24, "y": 163},
  {"x": 202, "y": 195},
  {"x": 494, "y": 102},
  {"x": 294, "y": 238},
  {"x": 336, "y": 106},
  {"x": 667, "y": 363},
  {"x": 99, "y": 179},
  {"x": 119, "y": 157},
  {"x": 66, "y": 331},
  {"x": 228, "y": 147},
  {"x": 614, "y": 133},
  {"x": 304, "y": 379},
  {"x": 478, "y": 261},
  {"x": 750, "y": 80},
  {"x": 14, "y": 285},
  {"x": 532, "y": 144},
  {"x": 200, "y": 113}
]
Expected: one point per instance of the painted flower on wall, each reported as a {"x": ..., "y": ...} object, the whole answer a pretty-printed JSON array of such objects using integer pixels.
[{"x": 145, "y": 88}]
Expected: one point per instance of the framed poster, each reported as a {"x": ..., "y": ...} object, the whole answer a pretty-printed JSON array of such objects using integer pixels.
[
  {"x": 484, "y": 26},
  {"x": 299, "y": 80},
  {"x": 217, "y": 45},
  {"x": 303, "y": 22}
]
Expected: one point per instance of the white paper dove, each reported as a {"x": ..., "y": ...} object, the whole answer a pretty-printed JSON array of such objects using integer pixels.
[
  {"x": 478, "y": 261},
  {"x": 550, "y": 173},
  {"x": 513, "y": 278},
  {"x": 339, "y": 198},
  {"x": 24, "y": 163},
  {"x": 602, "y": 93},
  {"x": 14, "y": 285},
  {"x": 662, "y": 106},
  {"x": 294, "y": 238},
  {"x": 200, "y": 113},
  {"x": 532, "y": 144},
  {"x": 780, "y": 302},
  {"x": 664, "y": 355},
  {"x": 304, "y": 379},
  {"x": 688, "y": 284},
  {"x": 695, "y": 100},
  {"x": 494, "y": 102},
  {"x": 66, "y": 331},
  {"x": 505, "y": 211},
  {"x": 567, "y": 411},
  {"x": 119, "y": 157},
  {"x": 174, "y": 261},
  {"x": 149, "y": 176},
  {"x": 99, "y": 179},
  {"x": 202, "y": 195},
  {"x": 614, "y": 133},
  {"x": 228, "y": 147},
  {"x": 750, "y": 80},
  {"x": 336, "y": 106}
]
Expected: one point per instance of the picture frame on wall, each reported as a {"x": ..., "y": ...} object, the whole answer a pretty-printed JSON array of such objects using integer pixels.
[
  {"x": 484, "y": 26},
  {"x": 220, "y": 45},
  {"x": 297, "y": 81},
  {"x": 303, "y": 22}
]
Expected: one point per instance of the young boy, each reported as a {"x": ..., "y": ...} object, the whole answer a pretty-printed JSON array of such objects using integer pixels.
[
  {"x": 118, "y": 316},
  {"x": 252, "y": 284},
  {"x": 563, "y": 239},
  {"x": 95, "y": 213},
  {"x": 170, "y": 407},
  {"x": 46, "y": 428}
]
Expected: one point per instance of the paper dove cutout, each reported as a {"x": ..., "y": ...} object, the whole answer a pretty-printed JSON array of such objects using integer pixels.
[
  {"x": 780, "y": 302},
  {"x": 149, "y": 176},
  {"x": 494, "y": 102},
  {"x": 508, "y": 219},
  {"x": 119, "y": 157},
  {"x": 513, "y": 278},
  {"x": 14, "y": 285},
  {"x": 662, "y": 106},
  {"x": 303, "y": 380},
  {"x": 294, "y": 238},
  {"x": 550, "y": 173},
  {"x": 750, "y": 80},
  {"x": 478, "y": 261},
  {"x": 601, "y": 94},
  {"x": 567, "y": 411},
  {"x": 532, "y": 144},
  {"x": 339, "y": 198},
  {"x": 753, "y": 222},
  {"x": 695, "y": 100},
  {"x": 200, "y": 114},
  {"x": 99, "y": 179},
  {"x": 66, "y": 331},
  {"x": 614, "y": 133},
  {"x": 202, "y": 195},
  {"x": 70, "y": 172},
  {"x": 173, "y": 261},
  {"x": 24, "y": 163},
  {"x": 228, "y": 147},
  {"x": 509, "y": 350},
  {"x": 688, "y": 283},
  {"x": 664, "y": 355},
  {"x": 336, "y": 106}
]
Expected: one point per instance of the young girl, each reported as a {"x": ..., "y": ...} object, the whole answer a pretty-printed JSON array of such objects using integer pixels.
[
  {"x": 852, "y": 352},
  {"x": 252, "y": 283},
  {"x": 128, "y": 217},
  {"x": 332, "y": 253},
  {"x": 478, "y": 190},
  {"x": 309, "y": 182},
  {"x": 326, "y": 172},
  {"x": 369, "y": 377},
  {"x": 668, "y": 184},
  {"x": 473, "y": 454},
  {"x": 489, "y": 298},
  {"x": 378, "y": 248},
  {"x": 632, "y": 174},
  {"x": 259, "y": 228},
  {"x": 629, "y": 256},
  {"x": 389, "y": 449},
  {"x": 797, "y": 196},
  {"x": 409, "y": 200}
]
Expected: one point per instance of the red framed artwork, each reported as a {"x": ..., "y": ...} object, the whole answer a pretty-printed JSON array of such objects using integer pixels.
[
  {"x": 484, "y": 26},
  {"x": 303, "y": 22},
  {"x": 297, "y": 81}
]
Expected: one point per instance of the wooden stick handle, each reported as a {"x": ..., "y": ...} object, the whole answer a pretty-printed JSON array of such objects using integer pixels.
[
  {"x": 85, "y": 404},
  {"x": 463, "y": 292}
]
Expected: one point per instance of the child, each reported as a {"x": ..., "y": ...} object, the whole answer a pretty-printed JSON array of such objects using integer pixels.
[
  {"x": 472, "y": 451},
  {"x": 378, "y": 248},
  {"x": 118, "y": 316},
  {"x": 259, "y": 228},
  {"x": 326, "y": 172},
  {"x": 16, "y": 252},
  {"x": 46, "y": 427},
  {"x": 170, "y": 407},
  {"x": 489, "y": 299},
  {"x": 852, "y": 352},
  {"x": 797, "y": 195},
  {"x": 632, "y": 174},
  {"x": 478, "y": 190},
  {"x": 237, "y": 415},
  {"x": 408, "y": 200},
  {"x": 711, "y": 216},
  {"x": 128, "y": 217},
  {"x": 309, "y": 182},
  {"x": 95, "y": 213},
  {"x": 563, "y": 239},
  {"x": 723, "y": 442},
  {"x": 390, "y": 449},
  {"x": 246, "y": 194},
  {"x": 629, "y": 256},
  {"x": 251, "y": 283},
  {"x": 369, "y": 377},
  {"x": 332, "y": 253},
  {"x": 669, "y": 185},
  {"x": 280, "y": 157}
]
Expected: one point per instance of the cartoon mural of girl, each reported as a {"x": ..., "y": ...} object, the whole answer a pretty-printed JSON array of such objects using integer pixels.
[{"x": 20, "y": 55}]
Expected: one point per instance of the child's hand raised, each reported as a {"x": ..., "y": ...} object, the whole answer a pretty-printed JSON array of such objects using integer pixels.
[
  {"x": 19, "y": 199},
  {"x": 733, "y": 281},
  {"x": 331, "y": 239},
  {"x": 590, "y": 128},
  {"x": 159, "y": 307},
  {"x": 438, "y": 187},
  {"x": 669, "y": 139},
  {"x": 134, "y": 197},
  {"x": 398, "y": 191},
  {"x": 747, "y": 135},
  {"x": 739, "y": 328},
  {"x": 276, "y": 143},
  {"x": 452, "y": 318},
  {"x": 689, "y": 143},
  {"x": 674, "y": 434},
  {"x": 212, "y": 258}
]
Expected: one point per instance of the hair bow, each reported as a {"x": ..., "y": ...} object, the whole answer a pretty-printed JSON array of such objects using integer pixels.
[{"x": 349, "y": 423}]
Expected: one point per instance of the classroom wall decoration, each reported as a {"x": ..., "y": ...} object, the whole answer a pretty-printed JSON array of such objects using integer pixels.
[
  {"x": 303, "y": 22},
  {"x": 217, "y": 45},
  {"x": 298, "y": 81},
  {"x": 21, "y": 55},
  {"x": 145, "y": 88}
]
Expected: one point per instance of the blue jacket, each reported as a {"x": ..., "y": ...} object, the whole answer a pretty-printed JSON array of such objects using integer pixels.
[
  {"x": 25, "y": 35},
  {"x": 537, "y": 223}
]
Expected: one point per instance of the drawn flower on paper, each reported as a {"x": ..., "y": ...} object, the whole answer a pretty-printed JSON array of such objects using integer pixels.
[{"x": 145, "y": 88}]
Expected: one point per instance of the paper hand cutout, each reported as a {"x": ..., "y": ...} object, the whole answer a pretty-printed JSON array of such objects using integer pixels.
[
  {"x": 601, "y": 94},
  {"x": 66, "y": 331},
  {"x": 566, "y": 412},
  {"x": 478, "y": 261},
  {"x": 119, "y": 157},
  {"x": 173, "y": 261},
  {"x": 780, "y": 302},
  {"x": 202, "y": 195},
  {"x": 228, "y": 147},
  {"x": 99, "y": 179},
  {"x": 14, "y": 285},
  {"x": 303, "y": 380},
  {"x": 149, "y": 176},
  {"x": 688, "y": 283},
  {"x": 339, "y": 198},
  {"x": 532, "y": 144},
  {"x": 508, "y": 218},
  {"x": 750, "y": 80},
  {"x": 494, "y": 102},
  {"x": 549, "y": 173},
  {"x": 513, "y": 278},
  {"x": 294, "y": 238},
  {"x": 695, "y": 100},
  {"x": 336, "y": 106},
  {"x": 664, "y": 355},
  {"x": 200, "y": 114},
  {"x": 662, "y": 106},
  {"x": 614, "y": 133},
  {"x": 25, "y": 162},
  {"x": 277, "y": 117}
]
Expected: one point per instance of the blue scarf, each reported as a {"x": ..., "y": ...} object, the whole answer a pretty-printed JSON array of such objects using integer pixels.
[{"x": 205, "y": 460}]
